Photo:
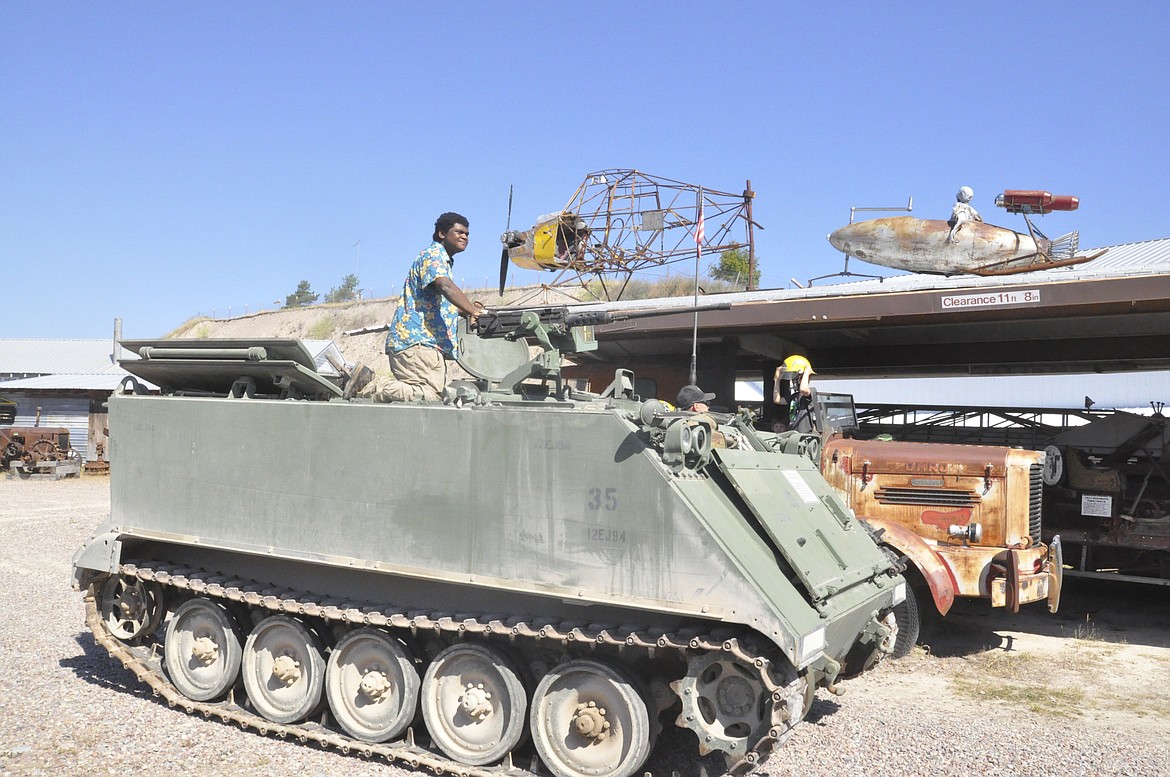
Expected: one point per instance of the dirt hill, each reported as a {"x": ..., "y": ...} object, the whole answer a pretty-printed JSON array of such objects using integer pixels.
[{"x": 328, "y": 321}]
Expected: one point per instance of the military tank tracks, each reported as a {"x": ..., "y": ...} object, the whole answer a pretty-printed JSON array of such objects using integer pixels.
[{"x": 734, "y": 696}]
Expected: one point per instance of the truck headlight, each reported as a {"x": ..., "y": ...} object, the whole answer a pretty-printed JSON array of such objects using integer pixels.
[{"x": 972, "y": 532}]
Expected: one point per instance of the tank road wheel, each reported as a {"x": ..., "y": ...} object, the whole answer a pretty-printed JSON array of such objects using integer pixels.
[
  {"x": 283, "y": 669},
  {"x": 725, "y": 702},
  {"x": 131, "y": 608},
  {"x": 202, "y": 650},
  {"x": 474, "y": 703},
  {"x": 372, "y": 685},
  {"x": 588, "y": 720}
]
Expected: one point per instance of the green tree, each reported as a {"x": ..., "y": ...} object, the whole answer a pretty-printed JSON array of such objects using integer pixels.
[
  {"x": 301, "y": 297},
  {"x": 732, "y": 267},
  {"x": 348, "y": 290}
]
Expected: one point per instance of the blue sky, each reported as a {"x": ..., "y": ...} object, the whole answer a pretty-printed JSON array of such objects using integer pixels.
[{"x": 164, "y": 160}]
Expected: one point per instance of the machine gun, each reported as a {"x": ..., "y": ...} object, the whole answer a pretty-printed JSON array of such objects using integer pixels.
[
  {"x": 495, "y": 348},
  {"x": 571, "y": 331}
]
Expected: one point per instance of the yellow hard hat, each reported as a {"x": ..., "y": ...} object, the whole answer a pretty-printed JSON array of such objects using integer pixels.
[{"x": 798, "y": 364}]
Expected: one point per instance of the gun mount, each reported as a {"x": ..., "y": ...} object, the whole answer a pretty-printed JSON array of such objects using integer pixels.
[{"x": 496, "y": 351}]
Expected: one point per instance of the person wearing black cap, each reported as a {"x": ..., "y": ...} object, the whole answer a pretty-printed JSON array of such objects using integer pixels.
[{"x": 693, "y": 399}]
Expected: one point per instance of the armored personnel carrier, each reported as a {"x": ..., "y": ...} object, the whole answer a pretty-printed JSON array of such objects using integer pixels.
[{"x": 520, "y": 577}]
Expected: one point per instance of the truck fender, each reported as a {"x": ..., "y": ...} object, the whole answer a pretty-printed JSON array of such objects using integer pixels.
[{"x": 936, "y": 573}]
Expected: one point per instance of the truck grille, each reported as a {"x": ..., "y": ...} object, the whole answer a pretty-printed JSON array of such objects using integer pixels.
[
  {"x": 1035, "y": 499},
  {"x": 936, "y": 497}
]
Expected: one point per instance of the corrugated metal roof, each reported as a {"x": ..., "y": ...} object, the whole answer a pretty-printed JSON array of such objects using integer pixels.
[
  {"x": 68, "y": 383},
  {"x": 1149, "y": 257},
  {"x": 84, "y": 365},
  {"x": 50, "y": 357}
]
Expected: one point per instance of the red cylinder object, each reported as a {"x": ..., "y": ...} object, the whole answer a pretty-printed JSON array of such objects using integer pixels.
[{"x": 1035, "y": 201}]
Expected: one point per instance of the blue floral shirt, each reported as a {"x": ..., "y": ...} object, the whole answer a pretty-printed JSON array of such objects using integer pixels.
[{"x": 424, "y": 316}]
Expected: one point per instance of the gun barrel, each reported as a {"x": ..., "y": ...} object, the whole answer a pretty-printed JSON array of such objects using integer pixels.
[
  {"x": 598, "y": 317},
  {"x": 366, "y": 330},
  {"x": 502, "y": 322}
]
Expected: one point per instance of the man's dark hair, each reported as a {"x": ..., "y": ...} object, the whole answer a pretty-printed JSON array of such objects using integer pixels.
[{"x": 446, "y": 221}]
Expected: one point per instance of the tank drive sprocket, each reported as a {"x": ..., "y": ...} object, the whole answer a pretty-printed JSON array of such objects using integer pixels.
[{"x": 731, "y": 703}]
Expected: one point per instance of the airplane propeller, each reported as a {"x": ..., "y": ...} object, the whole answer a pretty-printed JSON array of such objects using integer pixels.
[{"x": 504, "y": 252}]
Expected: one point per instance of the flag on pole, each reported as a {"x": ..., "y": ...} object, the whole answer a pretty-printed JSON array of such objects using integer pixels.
[{"x": 700, "y": 233}]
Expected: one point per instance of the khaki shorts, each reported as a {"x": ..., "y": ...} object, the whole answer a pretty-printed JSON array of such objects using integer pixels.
[{"x": 420, "y": 372}]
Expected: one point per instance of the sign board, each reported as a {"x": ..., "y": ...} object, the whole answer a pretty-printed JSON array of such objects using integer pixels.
[
  {"x": 990, "y": 299},
  {"x": 1097, "y": 505}
]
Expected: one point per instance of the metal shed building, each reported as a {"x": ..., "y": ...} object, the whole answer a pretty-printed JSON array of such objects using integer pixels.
[
  {"x": 67, "y": 382},
  {"x": 61, "y": 383}
]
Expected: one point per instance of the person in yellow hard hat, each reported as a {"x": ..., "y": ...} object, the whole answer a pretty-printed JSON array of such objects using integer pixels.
[{"x": 792, "y": 390}]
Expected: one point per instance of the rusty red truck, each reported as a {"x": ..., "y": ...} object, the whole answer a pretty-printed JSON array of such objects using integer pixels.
[{"x": 967, "y": 518}]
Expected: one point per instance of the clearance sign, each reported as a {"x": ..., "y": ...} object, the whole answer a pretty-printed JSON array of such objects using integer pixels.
[{"x": 989, "y": 299}]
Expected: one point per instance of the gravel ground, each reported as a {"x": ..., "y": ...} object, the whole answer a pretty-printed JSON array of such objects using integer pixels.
[{"x": 67, "y": 709}]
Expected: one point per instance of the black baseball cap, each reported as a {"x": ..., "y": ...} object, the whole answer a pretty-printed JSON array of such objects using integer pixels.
[{"x": 690, "y": 394}]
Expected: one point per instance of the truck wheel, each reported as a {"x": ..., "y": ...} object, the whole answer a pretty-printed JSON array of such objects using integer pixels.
[{"x": 908, "y": 622}]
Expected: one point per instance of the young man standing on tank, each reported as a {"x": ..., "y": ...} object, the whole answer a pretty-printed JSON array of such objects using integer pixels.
[{"x": 422, "y": 332}]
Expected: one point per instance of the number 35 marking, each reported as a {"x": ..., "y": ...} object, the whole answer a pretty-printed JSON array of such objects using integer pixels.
[{"x": 599, "y": 499}]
